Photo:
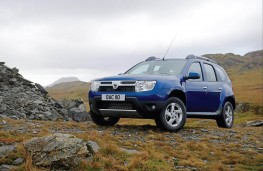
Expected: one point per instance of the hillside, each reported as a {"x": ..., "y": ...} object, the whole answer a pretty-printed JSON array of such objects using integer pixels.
[
  {"x": 69, "y": 90},
  {"x": 64, "y": 80}
]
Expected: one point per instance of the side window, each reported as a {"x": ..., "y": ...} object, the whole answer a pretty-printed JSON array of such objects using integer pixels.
[
  {"x": 221, "y": 74},
  {"x": 210, "y": 73},
  {"x": 196, "y": 67}
]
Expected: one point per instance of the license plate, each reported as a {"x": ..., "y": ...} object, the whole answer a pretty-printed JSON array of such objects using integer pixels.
[{"x": 113, "y": 97}]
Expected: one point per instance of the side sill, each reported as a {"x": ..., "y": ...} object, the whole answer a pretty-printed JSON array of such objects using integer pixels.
[{"x": 203, "y": 113}]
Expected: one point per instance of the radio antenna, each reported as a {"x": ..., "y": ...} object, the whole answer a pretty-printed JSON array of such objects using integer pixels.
[{"x": 169, "y": 47}]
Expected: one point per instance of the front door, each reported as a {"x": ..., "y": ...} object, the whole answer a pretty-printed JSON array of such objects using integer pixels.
[{"x": 196, "y": 90}]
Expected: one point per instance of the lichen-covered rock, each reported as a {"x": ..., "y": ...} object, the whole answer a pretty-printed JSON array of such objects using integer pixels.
[{"x": 57, "y": 151}]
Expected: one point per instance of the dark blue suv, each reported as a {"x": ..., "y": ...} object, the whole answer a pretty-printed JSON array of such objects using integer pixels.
[{"x": 166, "y": 90}]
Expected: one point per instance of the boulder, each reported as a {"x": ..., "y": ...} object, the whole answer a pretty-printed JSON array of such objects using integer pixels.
[
  {"x": 18, "y": 161},
  {"x": 93, "y": 147},
  {"x": 15, "y": 71},
  {"x": 129, "y": 151},
  {"x": 258, "y": 123},
  {"x": 57, "y": 151},
  {"x": 5, "y": 167},
  {"x": 79, "y": 113},
  {"x": 6, "y": 150},
  {"x": 3, "y": 107},
  {"x": 12, "y": 81}
]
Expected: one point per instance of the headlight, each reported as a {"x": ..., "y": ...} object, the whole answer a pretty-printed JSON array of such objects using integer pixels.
[
  {"x": 95, "y": 85},
  {"x": 144, "y": 86}
]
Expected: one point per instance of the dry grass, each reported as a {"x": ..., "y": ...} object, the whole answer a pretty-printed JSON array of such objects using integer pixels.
[
  {"x": 248, "y": 86},
  {"x": 217, "y": 149}
]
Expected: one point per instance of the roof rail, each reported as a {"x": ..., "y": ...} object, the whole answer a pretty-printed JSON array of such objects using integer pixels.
[
  {"x": 202, "y": 58},
  {"x": 151, "y": 58}
]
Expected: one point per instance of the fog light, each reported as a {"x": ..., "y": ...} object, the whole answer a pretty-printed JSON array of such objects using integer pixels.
[{"x": 153, "y": 107}]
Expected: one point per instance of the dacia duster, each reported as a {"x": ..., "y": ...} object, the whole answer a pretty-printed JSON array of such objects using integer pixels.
[{"x": 166, "y": 90}]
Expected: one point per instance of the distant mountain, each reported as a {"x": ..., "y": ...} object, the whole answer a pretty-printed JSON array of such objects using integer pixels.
[
  {"x": 64, "y": 80},
  {"x": 229, "y": 60},
  {"x": 70, "y": 90}
]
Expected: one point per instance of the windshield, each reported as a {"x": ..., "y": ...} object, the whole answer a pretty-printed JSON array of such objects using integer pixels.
[{"x": 159, "y": 67}]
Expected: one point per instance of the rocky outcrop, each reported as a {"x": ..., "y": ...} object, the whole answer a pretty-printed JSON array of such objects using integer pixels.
[
  {"x": 58, "y": 151},
  {"x": 22, "y": 99}
]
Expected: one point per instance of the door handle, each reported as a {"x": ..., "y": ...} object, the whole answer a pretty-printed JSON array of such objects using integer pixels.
[
  {"x": 204, "y": 88},
  {"x": 220, "y": 88}
]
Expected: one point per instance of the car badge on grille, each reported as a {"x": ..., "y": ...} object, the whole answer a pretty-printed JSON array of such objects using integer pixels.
[{"x": 115, "y": 86}]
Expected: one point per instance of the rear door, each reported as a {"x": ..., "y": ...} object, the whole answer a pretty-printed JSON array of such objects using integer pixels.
[
  {"x": 214, "y": 88},
  {"x": 196, "y": 90}
]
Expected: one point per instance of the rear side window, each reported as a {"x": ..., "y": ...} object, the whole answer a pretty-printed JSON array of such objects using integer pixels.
[
  {"x": 221, "y": 74},
  {"x": 196, "y": 67},
  {"x": 210, "y": 73}
]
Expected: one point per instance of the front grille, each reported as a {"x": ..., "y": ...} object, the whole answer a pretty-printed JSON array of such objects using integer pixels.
[
  {"x": 106, "y": 82},
  {"x": 128, "y": 82},
  {"x": 116, "y": 105},
  {"x": 119, "y": 89}
]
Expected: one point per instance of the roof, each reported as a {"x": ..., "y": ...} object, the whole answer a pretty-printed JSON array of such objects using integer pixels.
[
  {"x": 202, "y": 58},
  {"x": 151, "y": 58}
]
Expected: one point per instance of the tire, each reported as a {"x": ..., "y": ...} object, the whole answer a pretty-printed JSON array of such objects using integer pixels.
[
  {"x": 103, "y": 121},
  {"x": 226, "y": 118},
  {"x": 173, "y": 117}
]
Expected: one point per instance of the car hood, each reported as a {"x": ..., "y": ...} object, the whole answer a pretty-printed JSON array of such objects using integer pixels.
[{"x": 140, "y": 78}]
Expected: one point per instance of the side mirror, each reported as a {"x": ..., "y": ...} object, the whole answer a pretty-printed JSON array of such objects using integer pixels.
[{"x": 192, "y": 75}]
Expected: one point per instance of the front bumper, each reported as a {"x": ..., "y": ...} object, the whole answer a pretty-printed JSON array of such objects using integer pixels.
[{"x": 130, "y": 108}]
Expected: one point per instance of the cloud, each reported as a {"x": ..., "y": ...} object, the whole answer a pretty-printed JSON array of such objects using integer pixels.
[{"x": 89, "y": 38}]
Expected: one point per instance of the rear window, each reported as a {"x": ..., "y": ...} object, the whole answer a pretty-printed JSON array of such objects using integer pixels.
[
  {"x": 210, "y": 73},
  {"x": 221, "y": 74}
]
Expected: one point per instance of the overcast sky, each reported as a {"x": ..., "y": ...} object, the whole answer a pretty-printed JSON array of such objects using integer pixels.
[{"x": 50, "y": 39}]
